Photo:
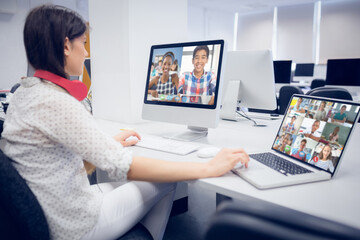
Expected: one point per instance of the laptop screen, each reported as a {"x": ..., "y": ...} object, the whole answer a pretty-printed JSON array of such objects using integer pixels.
[{"x": 315, "y": 130}]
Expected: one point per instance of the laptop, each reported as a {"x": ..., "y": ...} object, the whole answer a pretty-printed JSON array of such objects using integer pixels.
[{"x": 308, "y": 146}]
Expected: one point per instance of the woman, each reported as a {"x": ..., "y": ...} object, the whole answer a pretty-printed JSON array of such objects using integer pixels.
[
  {"x": 324, "y": 160},
  {"x": 165, "y": 84},
  {"x": 334, "y": 136},
  {"x": 321, "y": 113},
  {"x": 48, "y": 133},
  {"x": 341, "y": 116}
]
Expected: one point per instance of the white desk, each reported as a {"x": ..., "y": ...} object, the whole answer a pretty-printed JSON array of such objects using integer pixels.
[{"x": 337, "y": 199}]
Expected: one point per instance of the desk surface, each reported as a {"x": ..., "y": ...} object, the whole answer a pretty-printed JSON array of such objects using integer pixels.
[{"x": 337, "y": 199}]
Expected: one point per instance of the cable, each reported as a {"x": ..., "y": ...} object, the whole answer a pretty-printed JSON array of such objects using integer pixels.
[{"x": 243, "y": 114}]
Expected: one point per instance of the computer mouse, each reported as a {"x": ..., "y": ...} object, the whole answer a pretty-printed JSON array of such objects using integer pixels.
[
  {"x": 207, "y": 152},
  {"x": 131, "y": 138},
  {"x": 239, "y": 165}
]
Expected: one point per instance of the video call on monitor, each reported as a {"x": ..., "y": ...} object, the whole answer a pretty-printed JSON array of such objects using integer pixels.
[
  {"x": 316, "y": 131},
  {"x": 184, "y": 74}
]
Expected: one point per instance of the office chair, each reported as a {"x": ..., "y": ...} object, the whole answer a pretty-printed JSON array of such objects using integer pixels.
[
  {"x": 263, "y": 220},
  {"x": 315, "y": 83},
  {"x": 21, "y": 216},
  {"x": 285, "y": 94},
  {"x": 331, "y": 92},
  {"x": 13, "y": 89}
]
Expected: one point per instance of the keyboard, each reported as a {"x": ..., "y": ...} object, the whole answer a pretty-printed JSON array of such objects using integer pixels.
[
  {"x": 167, "y": 145},
  {"x": 279, "y": 164}
]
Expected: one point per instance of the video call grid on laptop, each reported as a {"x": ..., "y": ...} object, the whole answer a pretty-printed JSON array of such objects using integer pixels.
[{"x": 313, "y": 134}]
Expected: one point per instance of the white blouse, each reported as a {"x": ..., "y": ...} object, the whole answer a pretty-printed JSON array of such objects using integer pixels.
[{"x": 48, "y": 134}]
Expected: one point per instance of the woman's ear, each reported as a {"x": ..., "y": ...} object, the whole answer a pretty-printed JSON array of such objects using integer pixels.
[{"x": 67, "y": 46}]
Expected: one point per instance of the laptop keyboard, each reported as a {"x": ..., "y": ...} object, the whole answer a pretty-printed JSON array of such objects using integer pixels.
[{"x": 279, "y": 164}]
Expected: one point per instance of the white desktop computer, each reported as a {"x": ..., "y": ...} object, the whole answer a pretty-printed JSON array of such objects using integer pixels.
[
  {"x": 184, "y": 86},
  {"x": 249, "y": 82}
]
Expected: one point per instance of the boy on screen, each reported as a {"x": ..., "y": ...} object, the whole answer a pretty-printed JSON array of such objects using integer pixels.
[{"x": 198, "y": 82}]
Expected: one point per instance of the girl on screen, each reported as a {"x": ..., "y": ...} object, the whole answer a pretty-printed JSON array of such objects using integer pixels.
[
  {"x": 48, "y": 134},
  {"x": 165, "y": 83},
  {"x": 324, "y": 159}
]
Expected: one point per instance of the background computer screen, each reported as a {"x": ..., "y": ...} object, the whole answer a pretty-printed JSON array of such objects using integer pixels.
[
  {"x": 344, "y": 72},
  {"x": 304, "y": 69},
  {"x": 255, "y": 71},
  {"x": 282, "y": 71}
]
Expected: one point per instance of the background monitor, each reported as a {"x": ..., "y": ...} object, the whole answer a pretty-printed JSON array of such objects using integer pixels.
[
  {"x": 255, "y": 72},
  {"x": 304, "y": 70},
  {"x": 282, "y": 71},
  {"x": 345, "y": 72},
  {"x": 194, "y": 104}
]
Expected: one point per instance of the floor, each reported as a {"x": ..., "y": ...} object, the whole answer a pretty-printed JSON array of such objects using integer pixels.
[{"x": 192, "y": 225}]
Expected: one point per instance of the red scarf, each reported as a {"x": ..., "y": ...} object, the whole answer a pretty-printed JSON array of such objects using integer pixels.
[{"x": 75, "y": 88}]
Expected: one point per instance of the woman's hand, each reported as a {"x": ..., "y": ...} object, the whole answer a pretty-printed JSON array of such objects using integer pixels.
[
  {"x": 121, "y": 138},
  {"x": 226, "y": 160}
]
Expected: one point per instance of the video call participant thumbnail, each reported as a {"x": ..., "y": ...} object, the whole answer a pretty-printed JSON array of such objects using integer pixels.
[{"x": 198, "y": 82}]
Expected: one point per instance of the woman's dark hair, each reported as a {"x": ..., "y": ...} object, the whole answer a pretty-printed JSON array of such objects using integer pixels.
[{"x": 45, "y": 30}]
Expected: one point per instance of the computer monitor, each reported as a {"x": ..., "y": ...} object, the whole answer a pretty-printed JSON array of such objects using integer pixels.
[
  {"x": 249, "y": 75},
  {"x": 190, "y": 93},
  {"x": 282, "y": 71},
  {"x": 304, "y": 70},
  {"x": 345, "y": 72}
]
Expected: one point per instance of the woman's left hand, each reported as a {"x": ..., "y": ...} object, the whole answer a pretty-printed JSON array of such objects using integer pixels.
[{"x": 127, "y": 138}]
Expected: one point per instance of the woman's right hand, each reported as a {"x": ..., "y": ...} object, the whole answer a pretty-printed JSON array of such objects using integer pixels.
[{"x": 226, "y": 160}]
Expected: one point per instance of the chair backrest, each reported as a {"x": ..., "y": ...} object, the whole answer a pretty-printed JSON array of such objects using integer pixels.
[
  {"x": 331, "y": 92},
  {"x": 13, "y": 89},
  {"x": 285, "y": 94},
  {"x": 21, "y": 216},
  {"x": 315, "y": 83},
  {"x": 263, "y": 220}
]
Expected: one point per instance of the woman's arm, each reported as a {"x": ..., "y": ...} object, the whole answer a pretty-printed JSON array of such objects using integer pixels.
[{"x": 149, "y": 169}]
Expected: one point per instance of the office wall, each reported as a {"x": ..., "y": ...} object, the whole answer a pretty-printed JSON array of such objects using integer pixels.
[
  {"x": 196, "y": 23},
  {"x": 208, "y": 24},
  {"x": 121, "y": 36},
  {"x": 295, "y": 33},
  {"x": 339, "y": 30},
  {"x": 255, "y": 31},
  {"x": 13, "y": 63}
]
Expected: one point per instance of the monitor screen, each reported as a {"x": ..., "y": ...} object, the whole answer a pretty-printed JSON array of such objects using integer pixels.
[
  {"x": 345, "y": 72},
  {"x": 184, "y": 83},
  {"x": 282, "y": 71},
  {"x": 184, "y": 75},
  {"x": 315, "y": 130},
  {"x": 304, "y": 69}
]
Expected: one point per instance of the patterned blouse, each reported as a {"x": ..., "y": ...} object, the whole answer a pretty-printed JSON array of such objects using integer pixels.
[{"x": 48, "y": 134}]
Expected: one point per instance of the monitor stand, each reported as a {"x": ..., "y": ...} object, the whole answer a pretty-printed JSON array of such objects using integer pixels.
[
  {"x": 230, "y": 102},
  {"x": 192, "y": 134}
]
